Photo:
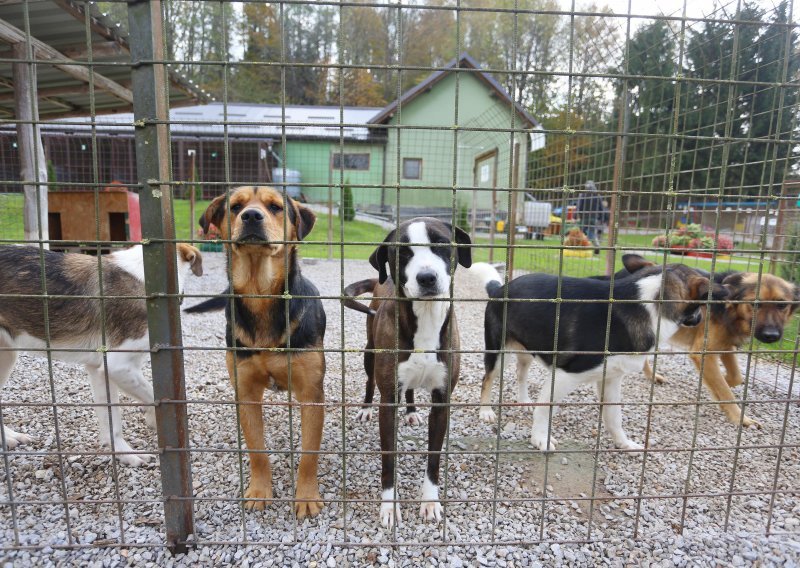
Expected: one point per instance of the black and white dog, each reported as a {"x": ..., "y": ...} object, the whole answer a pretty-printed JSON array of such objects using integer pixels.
[
  {"x": 423, "y": 353},
  {"x": 582, "y": 326}
]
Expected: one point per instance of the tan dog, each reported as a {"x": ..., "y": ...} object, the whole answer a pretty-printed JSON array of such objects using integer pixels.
[
  {"x": 731, "y": 325},
  {"x": 262, "y": 262},
  {"x": 77, "y": 322}
]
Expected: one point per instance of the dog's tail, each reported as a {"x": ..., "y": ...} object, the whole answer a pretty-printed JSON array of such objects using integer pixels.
[
  {"x": 490, "y": 277},
  {"x": 214, "y": 304},
  {"x": 357, "y": 289}
]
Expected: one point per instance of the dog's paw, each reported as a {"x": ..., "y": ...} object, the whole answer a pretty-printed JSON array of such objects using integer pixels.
[
  {"x": 487, "y": 415},
  {"x": 308, "y": 502},
  {"x": 134, "y": 460},
  {"x": 150, "y": 417},
  {"x": 734, "y": 380},
  {"x": 13, "y": 438},
  {"x": 390, "y": 513},
  {"x": 257, "y": 497},
  {"x": 540, "y": 442},
  {"x": 659, "y": 379},
  {"x": 364, "y": 415},
  {"x": 748, "y": 422},
  {"x": 431, "y": 511},
  {"x": 413, "y": 419},
  {"x": 628, "y": 444}
]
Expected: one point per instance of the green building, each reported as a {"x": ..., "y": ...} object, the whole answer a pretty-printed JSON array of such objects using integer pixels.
[{"x": 423, "y": 144}]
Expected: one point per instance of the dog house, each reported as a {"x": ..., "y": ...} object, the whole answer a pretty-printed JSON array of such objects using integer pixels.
[{"x": 74, "y": 215}]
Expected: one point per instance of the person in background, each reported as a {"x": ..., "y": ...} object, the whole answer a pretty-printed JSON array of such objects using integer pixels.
[{"x": 593, "y": 214}]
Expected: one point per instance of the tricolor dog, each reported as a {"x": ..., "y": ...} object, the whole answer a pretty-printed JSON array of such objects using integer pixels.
[
  {"x": 277, "y": 341},
  {"x": 75, "y": 321},
  {"x": 586, "y": 328},
  {"x": 412, "y": 295}
]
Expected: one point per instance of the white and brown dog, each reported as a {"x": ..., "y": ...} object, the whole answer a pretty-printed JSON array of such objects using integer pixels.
[
  {"x": 412, "y": 342},
  {"x": 74, "y": 325}
]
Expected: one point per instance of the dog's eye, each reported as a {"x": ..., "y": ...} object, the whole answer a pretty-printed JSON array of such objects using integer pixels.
[
  {"x": 236, "y": 207},
  {"x": 275, "y": 208},
  {"x": 781, "y": 307}
]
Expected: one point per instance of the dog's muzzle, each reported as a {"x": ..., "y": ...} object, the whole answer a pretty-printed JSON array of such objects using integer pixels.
[
  {"x": 768, "y": 334},
  {"x": 428, "y": 282},
  {"x": 252, "y": 231}
]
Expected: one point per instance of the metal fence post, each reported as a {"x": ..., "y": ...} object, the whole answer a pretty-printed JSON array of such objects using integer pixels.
[{"x": 163, "y": 306}]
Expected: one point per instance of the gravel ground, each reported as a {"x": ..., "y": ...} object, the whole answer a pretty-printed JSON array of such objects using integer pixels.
[{"x": 728, "y": 487}]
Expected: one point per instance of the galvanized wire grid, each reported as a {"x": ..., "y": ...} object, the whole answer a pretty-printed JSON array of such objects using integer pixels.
[{"x": 644, "y": 144}]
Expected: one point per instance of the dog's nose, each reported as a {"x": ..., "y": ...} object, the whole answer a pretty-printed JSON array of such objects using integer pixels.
[
  {"x": 426, "y": 279},
  {"x": 252, "y": 216},
  {"x": 768, "y": 334}
]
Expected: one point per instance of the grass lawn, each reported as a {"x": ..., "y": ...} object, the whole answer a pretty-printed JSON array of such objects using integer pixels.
[
  {"x": 536, "y": 256},
  {"x": 540, "y": 256}
]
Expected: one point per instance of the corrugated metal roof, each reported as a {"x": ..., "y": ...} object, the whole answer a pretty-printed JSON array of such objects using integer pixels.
[
  {"x": 61, "y": 25},
  {"x": 243, "y": 121}
]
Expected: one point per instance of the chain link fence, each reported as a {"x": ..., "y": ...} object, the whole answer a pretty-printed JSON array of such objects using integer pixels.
[{"x": 558, "y": 136}]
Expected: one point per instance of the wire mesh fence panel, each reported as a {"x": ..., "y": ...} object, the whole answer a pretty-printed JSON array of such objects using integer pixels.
[{"x": 305, "y": 281}]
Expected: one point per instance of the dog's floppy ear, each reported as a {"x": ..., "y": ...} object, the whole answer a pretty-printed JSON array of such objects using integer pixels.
[
  {"x": 380, "y": 258},
  {"x": 192, "y": 255},
  {"x": 306, "y": 219},
  {"x": 698, "y": 289},
  {"x": 733, "y": 285},
  {"x": 635, "y": 262},
  {"x": 796, "y": 303},
  {"x": 214, "y": 214},
  {"x": 462, "y": 238}
]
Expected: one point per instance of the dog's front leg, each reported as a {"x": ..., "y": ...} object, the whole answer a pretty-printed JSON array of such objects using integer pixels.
[
  {"x": 430, "y": 509},
  {"x": 657, "y": 378},
  {"x": 561, "y": 384},
  {"x": 387, "y": 418},
  {"x": 249, "y": 383},
  {"x": 718, "y": 387},
  {"x": 125, "y": 370},
  {"x": 111, "y": 429},
  {"x": 308, "y": 501},
  {"x": 733, "y": 376}
]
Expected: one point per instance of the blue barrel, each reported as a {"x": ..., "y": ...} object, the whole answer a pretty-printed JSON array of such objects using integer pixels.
[{"x": 293, "y": 179}]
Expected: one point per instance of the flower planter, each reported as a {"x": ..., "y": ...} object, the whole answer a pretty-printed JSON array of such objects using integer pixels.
[
  {"x": 579, "y": 252},
  {"x": 211, "y": 247}
]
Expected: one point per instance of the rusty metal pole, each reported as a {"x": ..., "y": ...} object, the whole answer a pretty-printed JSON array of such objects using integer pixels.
[
  {"x": 161, "y": 283},
  {"x": 619, "y": 173}
]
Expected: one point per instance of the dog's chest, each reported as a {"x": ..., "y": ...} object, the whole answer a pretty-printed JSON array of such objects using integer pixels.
[{"x": 423, "y": 370}]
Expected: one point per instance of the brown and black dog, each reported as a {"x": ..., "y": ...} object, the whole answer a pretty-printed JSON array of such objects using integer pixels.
[
  {"x": 271, "y": 349},
  {"x": 412, "y": 343},
  {"x": 730, "y": 326}
]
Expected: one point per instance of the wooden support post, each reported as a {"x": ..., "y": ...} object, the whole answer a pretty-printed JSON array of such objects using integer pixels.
[
  {"x": 43, "y": 52},
  {"x": 619, "y": 174},
  {"x": 33, "y": 165},
  {"x": 784, "y": 224},
  {"x": 512, "y": 214}
]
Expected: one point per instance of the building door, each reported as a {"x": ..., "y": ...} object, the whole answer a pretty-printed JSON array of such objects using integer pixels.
[{"x": 485, "y": 180}]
